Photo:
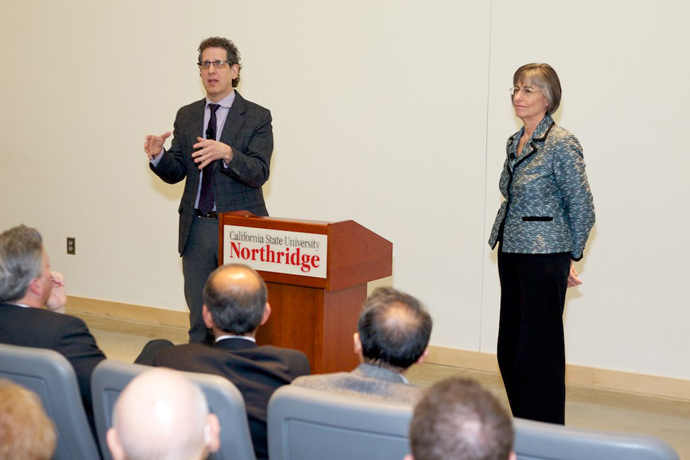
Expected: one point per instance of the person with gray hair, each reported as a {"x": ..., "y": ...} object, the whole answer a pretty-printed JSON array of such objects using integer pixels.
[
  {"x": 21, "y": 257},
  {"x": 541, "y": 229},
  {"x": 162, "y": 415},
  {"x": 393, "y": 333},
  {"x": 26, "y": 286},
  {"x": 457, "y": 419}
]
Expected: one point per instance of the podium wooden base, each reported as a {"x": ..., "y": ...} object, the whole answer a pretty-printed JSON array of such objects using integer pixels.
[
  {"x": 316, "y": 322},
  {"x": 316, "y": 314}
]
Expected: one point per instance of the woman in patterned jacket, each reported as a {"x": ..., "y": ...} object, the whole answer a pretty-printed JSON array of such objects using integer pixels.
[{"x": 542, "y": 227}]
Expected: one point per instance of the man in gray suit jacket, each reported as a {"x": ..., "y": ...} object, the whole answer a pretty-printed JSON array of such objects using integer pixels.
[
  {"x": 393, "y": 334},
  {"x": 222, "y": 146}
]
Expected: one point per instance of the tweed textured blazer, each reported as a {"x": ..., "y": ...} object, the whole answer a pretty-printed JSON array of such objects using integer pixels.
[
  {"x": 249, "y": 132},
  {"x": 548, "y": 206},
  {"x": 366, "y": 381}
]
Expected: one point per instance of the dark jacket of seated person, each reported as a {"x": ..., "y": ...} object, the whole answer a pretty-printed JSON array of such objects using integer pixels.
[
  {"x": 68, "y": 335},
  {"x": 235, "y": 298}
]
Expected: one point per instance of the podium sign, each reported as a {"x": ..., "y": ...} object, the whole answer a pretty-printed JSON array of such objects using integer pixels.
[
  {"x": 277, "y": 251},
  {"x": 316, "y": 274}
]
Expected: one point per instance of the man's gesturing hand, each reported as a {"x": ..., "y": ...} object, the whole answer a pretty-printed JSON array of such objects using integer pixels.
[
  {"x": 154, "y": 144},
  {"x": 210, "y": 150}
]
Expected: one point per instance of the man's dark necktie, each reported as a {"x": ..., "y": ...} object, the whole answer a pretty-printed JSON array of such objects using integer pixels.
[{"x": 206, "y": 195}]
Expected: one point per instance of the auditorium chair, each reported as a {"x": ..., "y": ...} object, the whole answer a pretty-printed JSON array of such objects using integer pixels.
[
  {"x": 545, "y": 441},
  {"x": 48, "y": 374},
  {"x": 307, "y": 424},
  {"x": 224, "y": 399}
]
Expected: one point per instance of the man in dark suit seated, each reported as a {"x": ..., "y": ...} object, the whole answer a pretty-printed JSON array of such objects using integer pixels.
[
  {"x": 393, "y": 334},
  {"x": 235, "y": 305},
  {"x": 27, "y": 286}
]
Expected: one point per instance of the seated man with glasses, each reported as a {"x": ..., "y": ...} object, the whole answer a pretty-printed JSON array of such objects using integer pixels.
[{"x": 222, "y": 146}]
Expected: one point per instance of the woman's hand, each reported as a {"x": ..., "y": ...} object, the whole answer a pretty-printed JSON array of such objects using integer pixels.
[{"x": 573, "y": 280}]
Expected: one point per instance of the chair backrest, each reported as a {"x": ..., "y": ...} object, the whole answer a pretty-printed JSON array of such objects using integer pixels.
[
  {"x": 48, "y": 374},
  {"x": 307, "y": 424},
  {"x": 542, "y": 441},
  {"x": 224, "y": 399}
]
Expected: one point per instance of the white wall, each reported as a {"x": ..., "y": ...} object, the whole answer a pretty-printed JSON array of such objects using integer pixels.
[{"x": 391, "y": 113}]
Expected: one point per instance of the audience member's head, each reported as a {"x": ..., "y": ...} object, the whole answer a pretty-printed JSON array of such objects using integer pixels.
[
  {"x": 457, "y": 419},
  {"x": 161, "y": 415},
  {"x": 26, "y": 433},
  {"x": 235, "y": 300},
  {"x": 393, "y": 330},
  {"x": 24, "y": 268}
]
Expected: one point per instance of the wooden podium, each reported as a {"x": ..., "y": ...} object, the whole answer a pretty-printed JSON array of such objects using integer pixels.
[{"x": 315, "y": 313}]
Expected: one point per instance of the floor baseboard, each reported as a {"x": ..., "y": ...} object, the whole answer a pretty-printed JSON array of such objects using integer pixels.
[{"x": 576, "y": 375}]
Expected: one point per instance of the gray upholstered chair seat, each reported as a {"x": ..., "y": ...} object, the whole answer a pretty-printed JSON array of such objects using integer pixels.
[
  {"x": 48, "y": 374},
  {"x": 224, "y": 399},
  {"x": 544, "y": 441},
  {"x": 307, "y": 424}
]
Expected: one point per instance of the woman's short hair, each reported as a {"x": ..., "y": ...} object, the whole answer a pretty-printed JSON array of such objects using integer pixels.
[{"x": 543, "y": 76}]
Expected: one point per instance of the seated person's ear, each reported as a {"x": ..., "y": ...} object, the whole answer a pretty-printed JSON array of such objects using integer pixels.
[
  {"x": 114, "y": 445},
  {"x": 207, "y": 317},
  {"x": 267, "y": 314},
  {"x": 357, "y": 343},
  {"x": 212, "y": 433},
  {"x": 423, "y": 357}
]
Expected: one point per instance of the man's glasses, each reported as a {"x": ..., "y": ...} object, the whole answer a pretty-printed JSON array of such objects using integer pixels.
[{"x": 216, "y": 64}]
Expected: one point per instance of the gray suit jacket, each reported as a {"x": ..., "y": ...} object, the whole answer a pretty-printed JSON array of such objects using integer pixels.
[
  {"x": 249, "y": 132},
  {"x": 548, "y": 206},
  {"x": 365, "y": 381}
]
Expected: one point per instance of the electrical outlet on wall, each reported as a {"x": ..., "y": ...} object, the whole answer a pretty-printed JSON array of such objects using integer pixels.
[{"x": 71, "y": 246}]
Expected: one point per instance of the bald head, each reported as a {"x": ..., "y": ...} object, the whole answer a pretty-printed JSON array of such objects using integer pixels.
[
  {"x": 161, "y": 415},
  {"x": 236, "y": 299},
  {"x": 394, "y": 329},
  {"x": 235, "y": 278}
]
